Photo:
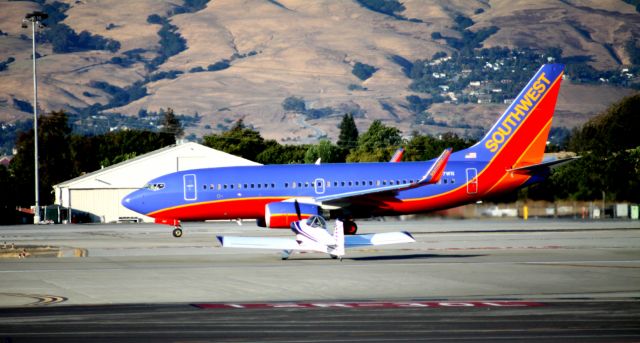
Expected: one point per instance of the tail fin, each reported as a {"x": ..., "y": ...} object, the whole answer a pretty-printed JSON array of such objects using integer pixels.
[
  {"x": 338, "y": 235},
  {"x": 520, "y": 135}
]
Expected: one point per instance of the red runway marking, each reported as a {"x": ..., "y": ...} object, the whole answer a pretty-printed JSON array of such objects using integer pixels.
[{"x": 407, "y": 304}]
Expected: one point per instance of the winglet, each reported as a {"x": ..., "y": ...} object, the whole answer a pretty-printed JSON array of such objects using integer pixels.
[
  {"x": 434, "y": 173},
  {"x": 220, "y": 239},
  {"x": 397, "y": 156}
]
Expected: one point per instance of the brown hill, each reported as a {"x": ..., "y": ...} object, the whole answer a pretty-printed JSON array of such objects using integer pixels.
[{"x": 305, "y": 49}]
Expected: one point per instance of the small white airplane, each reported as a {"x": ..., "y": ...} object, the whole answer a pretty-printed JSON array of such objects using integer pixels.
[{"x": 312, "y": 235}]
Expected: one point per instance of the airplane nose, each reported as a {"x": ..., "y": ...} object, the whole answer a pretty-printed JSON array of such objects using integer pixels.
[{"x": 134, "y": 201}]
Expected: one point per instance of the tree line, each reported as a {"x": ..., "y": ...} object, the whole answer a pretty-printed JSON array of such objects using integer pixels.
[{"x": 608, "y": 144}]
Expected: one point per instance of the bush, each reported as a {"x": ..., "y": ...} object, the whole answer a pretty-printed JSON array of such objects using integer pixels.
[
  {"x": 363, "y": 71},
  {"x": 294, "y": 104},
  {"x": 220, "y": 65}
]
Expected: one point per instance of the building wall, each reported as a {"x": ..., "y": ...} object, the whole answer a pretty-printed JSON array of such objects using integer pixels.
[{"x": 104, "y": 204}]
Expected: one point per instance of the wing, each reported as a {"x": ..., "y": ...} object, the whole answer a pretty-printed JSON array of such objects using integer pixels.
[
  {"x": 432, "y": 175},
  {"x": 275, "y": 243},
  {"x": 355, "y": 241}
]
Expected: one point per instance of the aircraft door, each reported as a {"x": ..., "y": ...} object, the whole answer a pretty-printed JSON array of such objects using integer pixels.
[
  {"x": 318, "y": 185},
  {"x": 472, "y": 181},
  {"x": 190, "y": 187}
]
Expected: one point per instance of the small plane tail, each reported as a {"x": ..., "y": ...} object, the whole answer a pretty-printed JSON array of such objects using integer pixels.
[
  {"x": 519, "y": 137},
  {"x": 338, "y": 235}
]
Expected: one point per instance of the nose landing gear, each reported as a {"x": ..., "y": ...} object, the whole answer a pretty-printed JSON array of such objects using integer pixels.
[{"x": 177, "y": 232}]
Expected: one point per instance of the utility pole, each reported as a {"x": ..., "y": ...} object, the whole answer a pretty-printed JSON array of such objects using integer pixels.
[{"x": 35, "y": 18}]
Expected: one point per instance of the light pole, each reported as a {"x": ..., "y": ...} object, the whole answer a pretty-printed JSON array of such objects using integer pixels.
[{"x": 35, "y": 18}]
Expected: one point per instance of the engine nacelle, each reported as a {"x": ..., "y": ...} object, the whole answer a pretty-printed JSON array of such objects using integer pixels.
[{"x": 282, "y": 214}]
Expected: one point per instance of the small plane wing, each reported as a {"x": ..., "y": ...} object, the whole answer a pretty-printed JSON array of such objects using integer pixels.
[
  {"x": 532, "y": 169},
  {"x": 278, "y": 243},
  {"x": 354, "y": 241},
  {"x": 433, "y": 175},
  {"x": 259, "y": 242}
]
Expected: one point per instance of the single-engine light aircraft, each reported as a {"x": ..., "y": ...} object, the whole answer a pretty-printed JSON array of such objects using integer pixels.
[
  {"x": 312, "y": 234},
  {"x": 509, "y": 156}
]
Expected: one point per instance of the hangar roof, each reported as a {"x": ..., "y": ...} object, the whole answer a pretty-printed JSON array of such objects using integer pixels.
[{"x": 134, "y": 173}]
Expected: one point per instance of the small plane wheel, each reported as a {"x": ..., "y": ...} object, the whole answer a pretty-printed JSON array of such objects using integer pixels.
[
  {"x": 350, "y": 228},
  {"x": 177, "y": 232},
  {"x": 333, "y": 257}
]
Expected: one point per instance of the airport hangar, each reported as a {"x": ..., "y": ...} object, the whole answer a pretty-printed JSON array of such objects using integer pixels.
[{"x": 99, "y": 193}]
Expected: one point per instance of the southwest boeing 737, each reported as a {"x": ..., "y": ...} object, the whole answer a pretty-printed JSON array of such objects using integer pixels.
[{"x": 510, "y": 156}]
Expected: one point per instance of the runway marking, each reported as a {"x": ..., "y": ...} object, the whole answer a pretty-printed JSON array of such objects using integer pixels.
[
  {"x": 384, "y": 304},
  {"x": 41, "y": 299}
]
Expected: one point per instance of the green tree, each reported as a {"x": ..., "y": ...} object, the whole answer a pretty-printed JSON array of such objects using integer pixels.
[
  {"x": 54, "y": 159},
  {"x": 276, "y": 153},
  {"x": 377, "y": 144},
  {"x": 425, "y": 147},
  {"x": 610, "y": 163},
  {"x": 327, "y": 152},
  {"x": 239, "y": 141},
  {"x": 348, "y": 138},
  {"x": 171, "y": 124}
]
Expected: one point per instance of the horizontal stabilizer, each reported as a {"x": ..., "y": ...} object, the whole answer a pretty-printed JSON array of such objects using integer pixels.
[
  {"x": 539, "y": 167},
  {"x": 355, "y": 241},
  {"x": 258, "y": 242}
]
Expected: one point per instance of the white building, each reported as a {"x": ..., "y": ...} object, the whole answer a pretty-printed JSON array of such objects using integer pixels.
[{"x": 99, "y": 193}]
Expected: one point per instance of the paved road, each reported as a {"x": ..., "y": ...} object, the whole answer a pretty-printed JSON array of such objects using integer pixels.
[
  {"x": 612, "y": 321},
  {"x": 136, "y": 281}
]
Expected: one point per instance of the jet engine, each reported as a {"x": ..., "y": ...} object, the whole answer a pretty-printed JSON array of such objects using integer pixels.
[{"x": 282, "y": 214}]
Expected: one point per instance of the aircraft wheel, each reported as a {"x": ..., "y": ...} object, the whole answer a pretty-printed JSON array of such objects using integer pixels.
[
  {"x": 177, "y": 232},
  {"x": 350, "y": 228},
  {"x": 333, "y": 257}
]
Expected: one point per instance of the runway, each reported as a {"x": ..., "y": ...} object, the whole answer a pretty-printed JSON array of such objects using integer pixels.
[{"x": 584, "y": 273}]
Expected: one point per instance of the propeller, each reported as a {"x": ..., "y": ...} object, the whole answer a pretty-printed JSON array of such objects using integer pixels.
[{"x": 297, "y": 206}]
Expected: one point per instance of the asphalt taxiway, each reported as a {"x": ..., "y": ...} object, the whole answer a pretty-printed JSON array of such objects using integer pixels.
[{"x": 586, "y": 273}]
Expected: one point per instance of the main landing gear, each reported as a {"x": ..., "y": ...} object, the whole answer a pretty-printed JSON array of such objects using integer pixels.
[{"x": 177, "y": 232}]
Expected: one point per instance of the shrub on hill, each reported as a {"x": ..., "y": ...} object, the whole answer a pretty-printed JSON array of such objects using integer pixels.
[{"x": 363, "y": 71}]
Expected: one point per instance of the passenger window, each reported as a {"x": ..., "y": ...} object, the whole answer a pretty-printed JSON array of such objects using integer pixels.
[{"x": 286, "y": 185}]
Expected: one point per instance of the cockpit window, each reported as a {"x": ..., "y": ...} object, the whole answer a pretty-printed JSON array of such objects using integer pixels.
[
  {"x": 317, "y": 221},
  {"x": 154, "y": 186}
]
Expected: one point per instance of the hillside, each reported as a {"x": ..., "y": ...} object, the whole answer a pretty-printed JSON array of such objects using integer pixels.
[{"x": 242, "y": 59}]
